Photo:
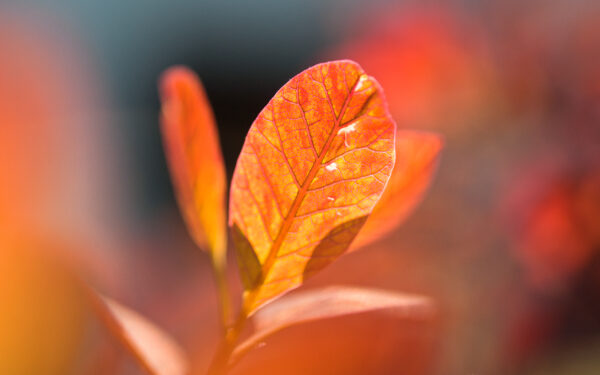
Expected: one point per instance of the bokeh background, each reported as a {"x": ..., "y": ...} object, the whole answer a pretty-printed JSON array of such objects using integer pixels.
[{"x": 506, "y": 241}]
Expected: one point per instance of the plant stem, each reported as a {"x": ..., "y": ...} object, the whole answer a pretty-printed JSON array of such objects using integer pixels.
[
  {"x": 218, "y": 260},
  {"x": 220, "y": 360}
]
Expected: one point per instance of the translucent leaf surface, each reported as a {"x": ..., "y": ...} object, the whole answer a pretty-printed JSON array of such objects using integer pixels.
[
  {"x": 417, "y": 156},
  {"x": 313, "y": 165},
  {"x": 330, "y": 303},
  {"x": 194, "y": 156}
]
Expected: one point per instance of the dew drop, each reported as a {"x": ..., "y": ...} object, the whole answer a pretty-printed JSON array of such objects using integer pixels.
[
  {"x": 331, "y": 198},
  {"x": 331, "y": 167},
  {"x": 361, "y": 82},
  {"x": 346, "y": 130}
]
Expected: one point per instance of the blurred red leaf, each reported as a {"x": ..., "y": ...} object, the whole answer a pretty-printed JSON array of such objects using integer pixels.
[
  {"x": 553, "y": 218},
  {"x": 433, "y": 65},
  {"x": 315, "y": 162},
  {"x": 417, "y": 157},
  {"x": 328, "y": 303},
  {"x": 55, "y": 154}
]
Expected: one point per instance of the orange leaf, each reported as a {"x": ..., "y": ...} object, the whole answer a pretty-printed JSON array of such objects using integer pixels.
[
  {"x": 194, "y": 157},
  {"x": 153, "y": 349},
  {"x": 313, "y": 165},
  {"x": 417, "y": 156},
  {"x": 328, "y": 303}
]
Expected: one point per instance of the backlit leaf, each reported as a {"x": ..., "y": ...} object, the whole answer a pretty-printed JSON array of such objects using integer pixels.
[
  {"x": 327, "y": 303},
  {"x": 313, "y": 165},
  {"x": 194, "y": 157},
  {"x": 417, "y": 156},
  {"x": 152, "y": 348}
]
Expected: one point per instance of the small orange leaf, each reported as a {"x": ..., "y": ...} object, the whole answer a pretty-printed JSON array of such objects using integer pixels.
[
  {"x": 328, "y": 303},
  {"x": 417, "y": 156},
  {"x": 152, "y": 348},
  {"x": 194, "y": 157},
  {"x": 313, "y": 165}
]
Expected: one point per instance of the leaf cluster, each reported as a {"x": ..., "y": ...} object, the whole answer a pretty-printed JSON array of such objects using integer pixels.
[{"x": 322, "y": 171}]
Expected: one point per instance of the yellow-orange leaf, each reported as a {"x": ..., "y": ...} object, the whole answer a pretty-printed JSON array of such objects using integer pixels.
[
  {"x": 194, "y": 157},
  {"x": 313, "y": 165},
  {"x": 417, "y": 156}
]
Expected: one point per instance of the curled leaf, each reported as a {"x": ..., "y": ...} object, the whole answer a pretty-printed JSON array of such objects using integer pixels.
[
  {"x": 152, "y": 348},
  {"x": 417, "y": 157},
  {"x": 313, "y": 165},
  {"x": 328, "y": 303},
  {"x": 194, "y": 157}
]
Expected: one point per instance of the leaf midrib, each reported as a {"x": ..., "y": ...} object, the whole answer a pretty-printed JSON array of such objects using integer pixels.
[{"x": 287, "y": 223}]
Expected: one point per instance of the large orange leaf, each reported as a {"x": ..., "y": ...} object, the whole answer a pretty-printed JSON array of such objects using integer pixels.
[
  {"x": 330, "y": 303},
  {"x": 313, "y": 165},
  {"x": 194, "y": 157},
  {"x": 417, "y": 156}
]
